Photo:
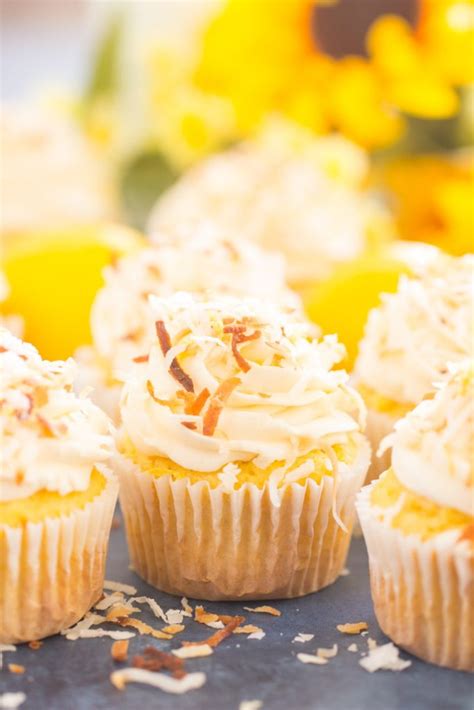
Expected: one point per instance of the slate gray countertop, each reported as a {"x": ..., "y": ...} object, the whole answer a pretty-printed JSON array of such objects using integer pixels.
[{"x": 74, "y": 675}]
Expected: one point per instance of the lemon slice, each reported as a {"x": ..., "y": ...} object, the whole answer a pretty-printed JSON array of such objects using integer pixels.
[
  {"x": 53, "y": 278},
  {"x": 341, "y": 304}
]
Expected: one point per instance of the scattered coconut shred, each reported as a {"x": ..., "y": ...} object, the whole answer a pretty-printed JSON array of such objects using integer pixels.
[
  {"x": 11, "y": 701},
  {"x": 354, "y": 628},
  {"x": 177, "y": 686},
  {"x": 264, "y": 610},
  {"x": 383, "y": 658},
  {"x": 303, "y": 638},
  {"x": 250, "y": 705}
]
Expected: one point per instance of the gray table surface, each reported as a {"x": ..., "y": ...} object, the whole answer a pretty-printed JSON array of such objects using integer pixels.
[{"x": 74, "y": 675}]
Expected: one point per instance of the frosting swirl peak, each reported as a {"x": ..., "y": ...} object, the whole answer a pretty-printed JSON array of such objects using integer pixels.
[{"x": 237, "y": 380}]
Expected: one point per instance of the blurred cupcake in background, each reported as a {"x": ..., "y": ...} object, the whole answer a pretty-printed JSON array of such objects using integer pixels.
[
  {"x": 122, "y": 321},
  {"x": 410, "y": 338},
  {"x": 288, "y": 191},
  {"x": 51, "y": 175},
  {"x": 240, "y": 454},
  {"x": 57, "y": 496},
  {"x": 418, "y": 524}
]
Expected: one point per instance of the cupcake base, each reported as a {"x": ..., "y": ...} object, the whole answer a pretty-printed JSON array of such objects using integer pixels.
[
  {"x": 52, "y": 572},
  {"x": 209, "y": 543},
  {"x": 423, "y": 590}
]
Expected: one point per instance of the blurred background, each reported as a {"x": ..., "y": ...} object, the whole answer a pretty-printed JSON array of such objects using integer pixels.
[{"x": 106, "y": 105}]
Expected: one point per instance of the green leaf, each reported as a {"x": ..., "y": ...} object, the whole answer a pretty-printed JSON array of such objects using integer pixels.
[
  {"x": 104, "y": 76},
  {"x": 142, "y": 181}
]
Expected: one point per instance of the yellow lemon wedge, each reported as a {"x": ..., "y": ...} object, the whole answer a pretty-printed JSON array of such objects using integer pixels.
[
  {"x": 53, "y": 277},
  {"x": 341, "y": 303}
]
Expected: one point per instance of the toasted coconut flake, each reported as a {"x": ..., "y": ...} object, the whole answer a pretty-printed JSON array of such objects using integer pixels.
[
  {"x": 303, "y": 638},
  {"x": 191, "y": 681},
  {"x": 119, "y": 587},
  {"x": 344, "y": 572},
  {"x": 119, "y": 650},
  {"x": 76, "y": 631},
  {"x": 195, "y": 406},
  {"x": 11, "y": 701},
  {"x": 385, "y": 658},
  {"x": 190, "y": 425},
  {"x": 250, "y": 705},
  {"x": 310, "y": 658},
  {"x": 371, "y": 643},
  {"x": 155, "y": 660},
  {"x": 247, "y": 629},
  {"x": 238, "y": 337},
  {"x": 264, "y": 610},
  {"x": 109, "y": 600},
  {"x": 220, "y": 635},
  {"x": 46, "y": 428},
  {"x": 154, "y": 606},
  {"x": 176, "y": 371},
  {"x": 174, "y": 629},
  {"x": 257, "y": 635},
  {"x": 16, "y": 668},
  {"x": 352, "y": 648},
  {"x": 140, "y": 358},
  {"x": 203, "y": 617},
  {"x": 216, "y": 404},
  {"x": 120, "y": 610},
  {"x": 193, "y": 651},
  {"x": 174, "y": 616},
  {"x": 187, "y": 608},
  {"x": 142, "y": 628},
  {"x": 327, "y": 652},
  {"x": 35, "y": 645},
  {"x": 353, "y": 628}
]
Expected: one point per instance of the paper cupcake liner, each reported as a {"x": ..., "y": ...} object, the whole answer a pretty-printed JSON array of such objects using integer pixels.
[
  {"x": 209, "y": 543},
  {"x": 379, "y": 424},
  {"x": 52, "y": 572},
  {"x": 422, "y": 590}
]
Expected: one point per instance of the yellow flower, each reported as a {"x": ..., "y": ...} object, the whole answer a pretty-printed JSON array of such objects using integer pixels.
[{"x": 441, "y": 215}]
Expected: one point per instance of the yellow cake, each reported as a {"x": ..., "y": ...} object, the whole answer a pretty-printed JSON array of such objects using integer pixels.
[
  {"x": 57, "y": 495},
  {"x": 418, "y": 522},
  {"x": 241, "y": 453},
  {"x": 409, "y": 339}
]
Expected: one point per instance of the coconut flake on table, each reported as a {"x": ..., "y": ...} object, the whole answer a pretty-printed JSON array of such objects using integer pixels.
[
  {"x": 187, "y": 608},
  {"x": 154, "y": 606},
  {"x": 73, "y": 632},
  {"x": 264, "y": 610},
  {"x": 177, "y": 686},
  {"x": 311, "y": 658},
  {"x": 257, "y": 635},
  {"x": 327, "y": 652},
  {"x": 250, "y": 705},
  {"x": 109, "y": 600},
  {"x": 193, "y": 651},
  {"x": 385, "y": 658},
  {"x": 119, "y": 587},
  {"x": 100, "y": 633},
  {"x": 174, "y": 616},
  {"x": 352, "y": 648},
  {"x": 303, "y": 638},
  {"x": 11, "y": 701}
]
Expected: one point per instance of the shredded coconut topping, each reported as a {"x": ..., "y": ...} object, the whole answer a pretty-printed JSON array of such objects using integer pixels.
[
  {"x": 51, "y": 438},
  {"x": 285, "y": 402},
  {"x": 427, "y": 323},
  {"x": 433, "y": 446}
]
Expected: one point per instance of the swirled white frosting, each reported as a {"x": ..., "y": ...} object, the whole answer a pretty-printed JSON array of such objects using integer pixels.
[
  {"x": 51, "y": 439},
  {"x": 433, "y": 446},
  {"x": 285, "y": 202},
  {"x": 123, "y": 325},
  {"x": 50, "y": 174},
  {"x": 276, "y": 395},
  {"x": 415, "y": 332}
]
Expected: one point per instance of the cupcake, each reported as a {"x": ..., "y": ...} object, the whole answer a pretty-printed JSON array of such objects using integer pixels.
[
  {"x": 240, "y": 454},
  {"x": 281, "y": 197},
  {"x": 409, "y": 339},
  {"x": 418, "y": 523},
  {"x": 51, "y": 175},
  {"x": 57, "y": 497},
  {"x": 122, "y": 322}
]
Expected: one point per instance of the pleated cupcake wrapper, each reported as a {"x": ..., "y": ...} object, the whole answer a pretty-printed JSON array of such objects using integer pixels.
[
  {"x": 209, "y": 543},
  {"x": 422, "y": 589},
  {"x": 379, "y": 424},
  {"x": 52, "y": 572}
]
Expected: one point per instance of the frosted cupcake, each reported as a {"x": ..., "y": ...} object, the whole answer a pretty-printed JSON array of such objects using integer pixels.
[
  {"x": 409, "y": 339},
  {"x": 241, "y": 453},
  {"x": 51, "y": 176},
  {"x": 418, "y": 524},
  {"x": 122, "y": 322},
  {"x": 284, "y": 199},
  {"x": 56, "y": 495}
]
